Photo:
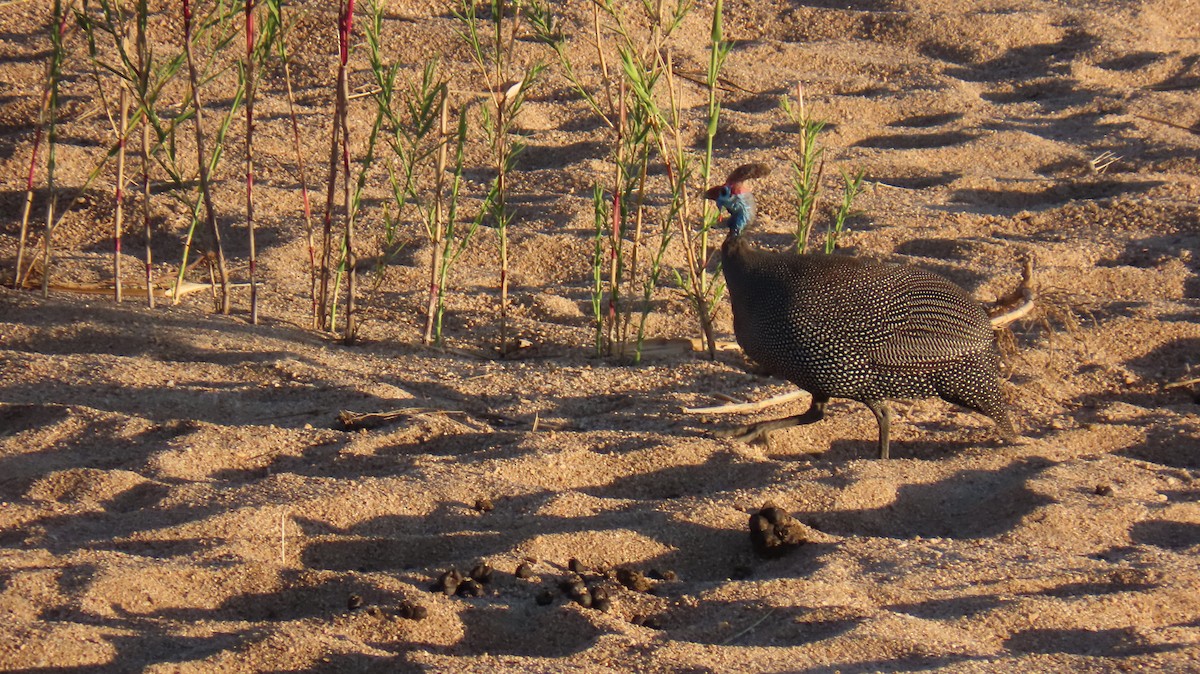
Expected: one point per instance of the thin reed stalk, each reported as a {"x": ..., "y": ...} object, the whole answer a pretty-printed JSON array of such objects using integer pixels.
[
  {"x": 43, "y": 111},
  {"x": 143, "y": 86},
  {"x": 276, "y": 23},
  {"x": 205, "y": 187},
  {"x": 250, "y": 72},
  {"x": 119, "y": 214},
  {"x": 57, "y": 58},
  {"x": 345, "y": 25},
  {"x": 339, "y": 154},
  {"x": 438, "y": 229}
]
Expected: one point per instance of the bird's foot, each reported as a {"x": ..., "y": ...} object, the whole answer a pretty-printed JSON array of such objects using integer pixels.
[{"x": 745, "y": 434}]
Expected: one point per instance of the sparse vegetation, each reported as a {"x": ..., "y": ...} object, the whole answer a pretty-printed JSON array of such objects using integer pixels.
[
  {"x": 494, "y": 55},
  {"x": 644, "y": 222}
]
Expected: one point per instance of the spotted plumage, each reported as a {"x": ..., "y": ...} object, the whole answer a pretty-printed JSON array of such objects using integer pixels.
[{"x": 841, "y": 327}]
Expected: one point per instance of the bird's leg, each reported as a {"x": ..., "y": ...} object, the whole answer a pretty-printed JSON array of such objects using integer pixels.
[
  {"x": 752, "y": 432},
  {"x": 884, "y": 416}
]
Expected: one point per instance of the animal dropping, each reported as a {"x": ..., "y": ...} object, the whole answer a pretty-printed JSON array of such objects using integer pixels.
[{"x": 842, "y": 327}]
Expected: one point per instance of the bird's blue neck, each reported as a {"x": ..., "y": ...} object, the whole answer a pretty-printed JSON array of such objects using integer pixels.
[{"x": 741, "y": 211}]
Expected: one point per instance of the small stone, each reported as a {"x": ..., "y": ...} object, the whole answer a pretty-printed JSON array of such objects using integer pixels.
[
  {"x": 545, "y": 597},
  {"x": 354, "y": 603},
  {"x": 1104, "y": 490},
  {"x": 482, "y": 573},
  {"x": 524, "y": 571},
  {"x": 484, "y": 505},
  {"x": 574, "y": 588},
  {"x": 410, "y": 611},
  {"x": 470, "y": 588},
  {"x": 774, "y": 532},
  {"x": 651, "y": 622},
  {"x": 576, "y": 566},
  {"x": 667, "y": 576},
  {"x": 634, "y": 580},
  {"x": 448, "y": 582},
  {"x": 600, "y": 599}
]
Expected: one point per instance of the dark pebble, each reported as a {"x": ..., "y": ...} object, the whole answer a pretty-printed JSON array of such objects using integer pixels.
[
  {"x": 576, "y": 566},
  {"x": 634, "y": 580},
  {"x": 524, "y": 571},
  {"x": 651, "y": 622},
  {"x": 545, "y": 597},
  {"x": 448, "y": 582},
  {"x": 354, "y": 603},
  {"x": 482, "y": 573},
  {"x": 484, "y": 505},
  {"x": 600, "y": 599},
  {"x": 668, "y": 575},
  {"x": 410, "y": 611},
  {"x": 1104, "y": 490},
  {"x": 470, "y": 588},
  {"x": 774, "y": 532},
  {"x": 584, "y": 600},
  {"x": 574, "y": 588}
]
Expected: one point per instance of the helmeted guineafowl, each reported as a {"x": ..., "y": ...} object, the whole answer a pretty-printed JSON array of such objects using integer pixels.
[{"x": 841, "y": 327}]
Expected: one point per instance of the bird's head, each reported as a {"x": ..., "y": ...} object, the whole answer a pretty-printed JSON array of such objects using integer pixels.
[{"x": 736, "y": 198}]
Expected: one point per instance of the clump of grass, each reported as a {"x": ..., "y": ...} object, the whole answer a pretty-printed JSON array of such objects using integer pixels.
[
  {"x": 641, "y": 108},
  {"x": 852, "y": 187},
  {"x": 494, "y": 54},
  {"x": 808, "y": 166},
  {"x": 419, "y": 136}
]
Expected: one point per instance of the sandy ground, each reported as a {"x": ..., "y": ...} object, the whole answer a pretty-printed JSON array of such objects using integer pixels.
[{"x": 176, "y": 493}]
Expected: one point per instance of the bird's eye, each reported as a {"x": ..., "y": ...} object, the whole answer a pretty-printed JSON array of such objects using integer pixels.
[{"x": 726, "y": 192}]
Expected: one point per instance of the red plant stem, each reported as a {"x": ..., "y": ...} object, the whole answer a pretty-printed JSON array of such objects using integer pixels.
[
  {"x": 146, "y": 212},
  {"x": 37, "y": 142},
  {"x": 327, "y": 224},
  {"x": 250, "y": 158},
  {"x": 143, "y": 52}
]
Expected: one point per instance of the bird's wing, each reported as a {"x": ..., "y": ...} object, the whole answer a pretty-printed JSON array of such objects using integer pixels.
[{"x": 936, "y": 322}]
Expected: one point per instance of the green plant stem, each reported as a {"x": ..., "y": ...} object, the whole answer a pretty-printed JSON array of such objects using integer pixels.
[{"x": 436, "y": 254}]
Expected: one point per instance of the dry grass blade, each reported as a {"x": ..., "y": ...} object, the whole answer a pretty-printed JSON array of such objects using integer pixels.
[
  {"x": 1182, "y": 383},
  {"x": 351, "y": 421},
  {"x": 1020, "y": 302},
  {"x": 739, "y": 408}
]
